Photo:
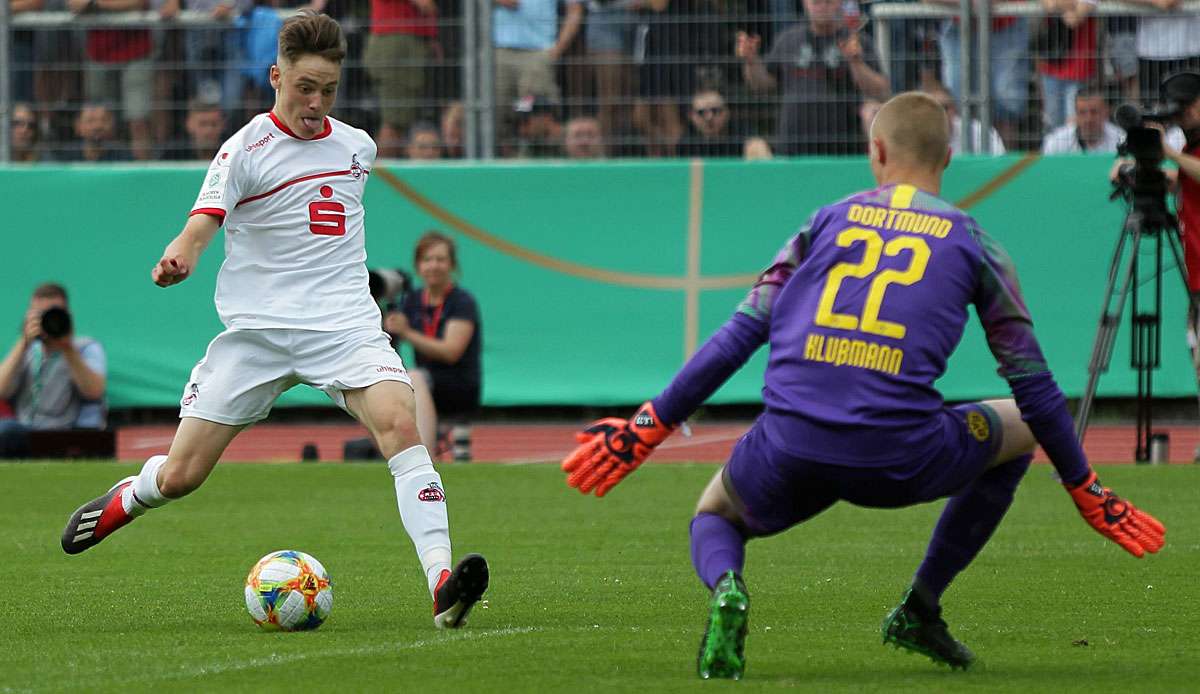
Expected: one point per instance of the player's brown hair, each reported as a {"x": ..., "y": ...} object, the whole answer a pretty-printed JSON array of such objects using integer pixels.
[
  {"x": 309, "y": 33},
  {"x": 50, "y": 290},
  {"x": 430, "y": 239},
  {"x": 915, "y": 127}
]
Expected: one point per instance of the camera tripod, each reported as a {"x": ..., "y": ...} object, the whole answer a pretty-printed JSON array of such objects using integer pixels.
[{"x": 1147, "y": 220}]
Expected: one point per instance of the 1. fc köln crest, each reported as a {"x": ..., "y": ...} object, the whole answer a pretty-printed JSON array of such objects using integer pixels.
[{"x": 433, "y": 492}]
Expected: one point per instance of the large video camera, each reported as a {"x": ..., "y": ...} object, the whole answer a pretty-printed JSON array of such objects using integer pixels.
[
  {"x": 1144, "y": 184},
  {"x": 1144, "y": 143}
]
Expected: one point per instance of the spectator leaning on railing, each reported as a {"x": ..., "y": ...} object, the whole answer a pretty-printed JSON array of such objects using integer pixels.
[
  {"x": 120, "y": 69},
  {"x": 1165, "y": 44},
  {"x": 709, "y": 134},
  {"x": 823, "y": 71},
  {"x": 1067, "y": 53},
  {"x": 95, "y": 127},
  {"x": 424, "y": 142},
  {"x": 1008, "y": 57},
  {"x": 54, "y": 379},
  {"x": 210, "y": 51},
  {"x": 583, "y": 138},
  {"x": 397, "y": 53},
  {"x": 24, "y": 135},
  {"x": 975, "y": 132},
  {"x": 205, "y": 128},
  {"x": 1091, "y": 131},
  {"x": 529, "y": 42}
]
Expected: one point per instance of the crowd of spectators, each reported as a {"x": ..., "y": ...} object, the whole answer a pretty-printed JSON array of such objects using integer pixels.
[{"x": 584, "y": 79}]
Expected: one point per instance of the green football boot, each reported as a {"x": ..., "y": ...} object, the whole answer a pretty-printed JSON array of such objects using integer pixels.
[
  {"x": 920, "y": 629},
  {"x": 722, "y": 648}
]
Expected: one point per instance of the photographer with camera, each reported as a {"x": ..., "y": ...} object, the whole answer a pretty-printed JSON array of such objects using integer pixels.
[
  {"x": 54, "y": 379},
  {"x": 441, "y": 322}
]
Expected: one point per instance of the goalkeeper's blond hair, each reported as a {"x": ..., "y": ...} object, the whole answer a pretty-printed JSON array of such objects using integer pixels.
[{"x": 915, "y": 128}]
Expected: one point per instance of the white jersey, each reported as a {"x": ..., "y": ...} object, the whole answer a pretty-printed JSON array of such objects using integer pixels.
[{"x": 295, "y": 255}]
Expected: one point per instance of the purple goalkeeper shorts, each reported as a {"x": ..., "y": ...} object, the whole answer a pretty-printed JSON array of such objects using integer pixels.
[{"x": 777, "y": 490}]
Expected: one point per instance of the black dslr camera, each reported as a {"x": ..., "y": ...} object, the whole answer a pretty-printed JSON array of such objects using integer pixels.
[
  {"x": 56, "y": 322},
  {"x": 389, "y": 286}
]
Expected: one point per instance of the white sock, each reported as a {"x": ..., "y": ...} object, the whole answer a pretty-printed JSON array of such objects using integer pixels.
[
  {"x": 422, "y": 503},
  {"x": 143, "y": 494}
]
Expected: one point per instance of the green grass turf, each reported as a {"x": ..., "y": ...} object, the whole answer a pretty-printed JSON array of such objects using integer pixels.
[{"x": 587, "y": 594}]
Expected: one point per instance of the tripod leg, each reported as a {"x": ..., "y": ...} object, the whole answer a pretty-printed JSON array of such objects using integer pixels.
[{"x": 1110, "y": 317}]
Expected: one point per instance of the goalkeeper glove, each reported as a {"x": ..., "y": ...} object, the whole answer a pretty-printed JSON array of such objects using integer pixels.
[
  {"x": 1117, "y": 519},
  {"x": 611, "y": 448}
]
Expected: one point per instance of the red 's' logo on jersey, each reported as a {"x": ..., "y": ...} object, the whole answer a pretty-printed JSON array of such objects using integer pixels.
[{"x": 326, "y": 217}]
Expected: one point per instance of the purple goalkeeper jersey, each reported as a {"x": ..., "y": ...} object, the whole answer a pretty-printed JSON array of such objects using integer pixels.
[{"x": 864, "y": 306}]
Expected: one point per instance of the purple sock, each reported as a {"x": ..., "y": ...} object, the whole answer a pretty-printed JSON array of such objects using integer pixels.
[
  {"x": 717, "y": 547},
  {"x": 966, "y": 524}
]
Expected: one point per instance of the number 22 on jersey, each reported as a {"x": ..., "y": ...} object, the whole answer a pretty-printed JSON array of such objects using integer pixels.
[{"x": 873, "y": 249}]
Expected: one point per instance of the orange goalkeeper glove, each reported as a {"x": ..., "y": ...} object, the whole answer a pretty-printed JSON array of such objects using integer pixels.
[
  {"x": 1117, "y": 519},
  {"x": 611, "y": 448}
]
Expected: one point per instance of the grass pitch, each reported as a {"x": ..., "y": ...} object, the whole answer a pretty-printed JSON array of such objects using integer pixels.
[{"x": 587, "y": 594}]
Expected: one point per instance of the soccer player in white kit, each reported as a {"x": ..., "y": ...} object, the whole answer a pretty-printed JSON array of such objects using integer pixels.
[{"x": 294, "y": 298}]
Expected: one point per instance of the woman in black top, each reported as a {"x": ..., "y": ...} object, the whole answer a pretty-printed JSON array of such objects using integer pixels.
[{"x": 441, "y": 322}]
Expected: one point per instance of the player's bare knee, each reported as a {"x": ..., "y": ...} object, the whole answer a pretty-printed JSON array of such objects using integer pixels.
[{"x": 396, "y": 433}]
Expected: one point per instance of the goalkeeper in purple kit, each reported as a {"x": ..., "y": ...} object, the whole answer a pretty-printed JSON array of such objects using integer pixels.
[{"x": 861, "y": 309}]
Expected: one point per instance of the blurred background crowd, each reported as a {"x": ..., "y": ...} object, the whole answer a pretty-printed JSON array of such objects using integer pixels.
[{"x": 119, "y": 80}]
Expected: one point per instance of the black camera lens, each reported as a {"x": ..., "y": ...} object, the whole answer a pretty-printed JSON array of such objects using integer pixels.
[{"x": 56, "y": 322}]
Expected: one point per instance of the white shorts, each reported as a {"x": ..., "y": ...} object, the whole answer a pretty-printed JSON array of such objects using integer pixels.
[{"x": 245, "y": 371}]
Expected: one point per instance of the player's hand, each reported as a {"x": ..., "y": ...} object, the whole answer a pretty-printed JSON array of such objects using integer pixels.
[
  {"x": 395, "y": 324},
  {"x": 170, "y": 271},
  {"x": 32, "y": 329},
  {"x": 611, "y": 448},
  {"x": 1117, "y": 519}
]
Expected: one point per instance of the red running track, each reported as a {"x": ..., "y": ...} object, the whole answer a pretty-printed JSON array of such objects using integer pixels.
[{"x": 516, "y": 443}]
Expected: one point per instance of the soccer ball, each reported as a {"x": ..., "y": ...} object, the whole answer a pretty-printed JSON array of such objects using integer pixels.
[{"x": 288, "y": 590}]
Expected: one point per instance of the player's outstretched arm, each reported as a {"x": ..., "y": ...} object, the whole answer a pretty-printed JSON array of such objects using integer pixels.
[
  {"x": 1043, "y": 407},
  {"x": 1117, "y": 519},
  {"x": 181, "y": 255},
  {"x": 610, "y": 449}
]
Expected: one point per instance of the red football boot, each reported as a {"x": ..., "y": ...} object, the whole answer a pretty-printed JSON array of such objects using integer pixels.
[
  {"x": 96, "y": 520},
  {"x": 457, "y": 591}
]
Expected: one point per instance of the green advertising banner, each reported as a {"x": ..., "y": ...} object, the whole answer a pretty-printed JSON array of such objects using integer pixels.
[{"x": 594, "y": 281}]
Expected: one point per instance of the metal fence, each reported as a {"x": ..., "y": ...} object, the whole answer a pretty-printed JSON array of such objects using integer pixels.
[{"x": 588, "y": 79}]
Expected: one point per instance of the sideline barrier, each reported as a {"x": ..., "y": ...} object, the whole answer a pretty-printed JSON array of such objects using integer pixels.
[{"x": 594, "y": 280}]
